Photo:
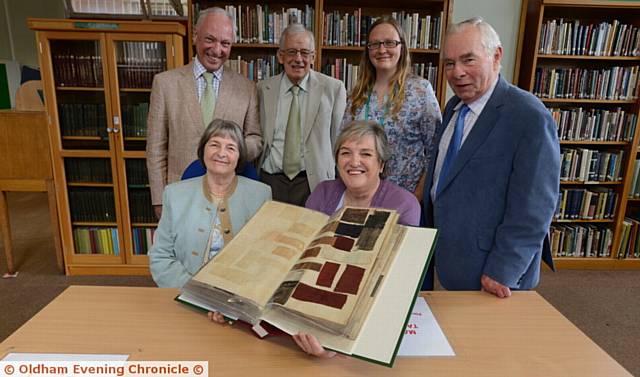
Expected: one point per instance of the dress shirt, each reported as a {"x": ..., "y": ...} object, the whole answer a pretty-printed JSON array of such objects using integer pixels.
[{"x": 201, "y": 83}]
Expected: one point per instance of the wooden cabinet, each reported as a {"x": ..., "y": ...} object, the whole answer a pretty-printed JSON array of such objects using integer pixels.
[
  {"x": 582, "y": 59},
  {"x": 97, "y": 81},
  {"x": 340, "y": 32}
]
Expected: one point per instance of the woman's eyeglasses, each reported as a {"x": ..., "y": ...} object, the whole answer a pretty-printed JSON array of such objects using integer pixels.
[{"x": 387, "y": 44}]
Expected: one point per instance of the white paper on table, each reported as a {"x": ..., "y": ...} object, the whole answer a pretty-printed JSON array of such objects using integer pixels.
[
  {"x": 62, "y": 357},
  {"x": 423, "y": 336}
]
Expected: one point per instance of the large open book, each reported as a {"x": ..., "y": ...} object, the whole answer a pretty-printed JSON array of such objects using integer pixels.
[{"x": 349, "y": 279}]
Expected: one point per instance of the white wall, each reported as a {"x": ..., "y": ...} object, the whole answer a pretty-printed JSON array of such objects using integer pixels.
[{"x": 504, "y": 16}]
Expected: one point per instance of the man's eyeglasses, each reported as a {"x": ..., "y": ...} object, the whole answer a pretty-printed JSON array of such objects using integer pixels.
[
  {"x": 387, "y": 44},
  {"x": 292, "y": 52}
]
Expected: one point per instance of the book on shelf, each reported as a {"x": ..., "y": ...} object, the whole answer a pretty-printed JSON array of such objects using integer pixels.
[
  {"x": 581, "y": 124},
  {"x": 350, "y": 279},
  {"x": 597, "y": 203},
  {"x": 612, "y": 84},
  {"x": 581, "y": 241},
  {"x": 138, "y": 62}
]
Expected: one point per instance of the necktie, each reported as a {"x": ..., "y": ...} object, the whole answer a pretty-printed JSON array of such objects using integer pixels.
[
  {"x": 291, "y": 157},
  {"x": 208, "y": 100},
  {"x": 454, "y": 146}
]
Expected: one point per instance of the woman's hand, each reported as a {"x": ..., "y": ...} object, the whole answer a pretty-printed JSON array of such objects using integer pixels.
[
  {"x": 309, "y": 344},
  {"x": 216, "y": 317}
]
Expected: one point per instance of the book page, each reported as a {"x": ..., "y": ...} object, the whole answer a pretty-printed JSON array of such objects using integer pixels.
[
  {"x": 333, "y": 274},
  {"x": 258, "y": 258}
]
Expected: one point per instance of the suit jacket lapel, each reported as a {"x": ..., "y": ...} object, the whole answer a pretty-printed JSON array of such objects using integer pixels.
[
  {"x": 187, "y": 86},
  {"x": 271, "y": 95},
  {"x": 481, "y": 129},
  {"x": 313, "y": 104}
]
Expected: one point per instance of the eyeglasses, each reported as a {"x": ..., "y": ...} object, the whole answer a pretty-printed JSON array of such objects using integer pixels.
[
  {"x": 387, "y": 44},
  {"x": 292, "y": 52}
]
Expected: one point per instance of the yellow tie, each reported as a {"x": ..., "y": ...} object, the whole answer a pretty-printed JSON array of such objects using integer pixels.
[
  {"x": 291, "y": 157},
  {"x": 208, "y": 100}
]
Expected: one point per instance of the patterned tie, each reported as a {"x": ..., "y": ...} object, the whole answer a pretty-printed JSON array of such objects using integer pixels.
[
  {"x": 291, "y": 157},
  {"x": 454, "y": 146},
  {"x": 208, "y": 100}
]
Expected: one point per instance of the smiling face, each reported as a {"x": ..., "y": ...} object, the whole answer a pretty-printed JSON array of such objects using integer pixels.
[
  {"x": 359, "y": 165},
  {"x": 221, "y": 155},
  {"x": 296, "y": 63},
  {"x": 213, "y": 41},
  {"x": 383, "y": 58},
  {"x": 470, "y": 70}
]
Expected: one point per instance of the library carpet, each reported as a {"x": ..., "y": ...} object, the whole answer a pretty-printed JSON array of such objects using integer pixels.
[{"x": 605, "y": 305}]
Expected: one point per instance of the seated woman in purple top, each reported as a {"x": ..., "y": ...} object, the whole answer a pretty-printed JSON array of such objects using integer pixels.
[{"x": 361, "y": 152}]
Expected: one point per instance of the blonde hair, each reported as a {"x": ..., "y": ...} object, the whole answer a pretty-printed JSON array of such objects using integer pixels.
[{"x": 367, "y": 76}]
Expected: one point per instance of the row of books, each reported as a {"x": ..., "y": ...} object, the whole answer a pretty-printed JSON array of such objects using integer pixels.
[
  {"x": 567, "y": 37},
  {"x": 346, "y": 29},
  {"x": 580, "y": 124},
  {"x": 92, "y": 204},
  {"x": 587, "y": 165},
  {"x": 263, "y": 23},
  {"x": 142, "y": 239},
  {"x": 134, "y": 119},
  {"x": 582, "y": 204},
  {"x": 107, "y": 6},
  {"x": 588, "y": 241},
  {"x": 630, "y": 239},
  {"x": 167, "y": 7},
  {"x": 256, "y": 70},
  {"x": 634, "y": 189},
  {"x": 140, "y": 206},
  {"x": 137, "y": 176},
  {"x": 138, "y": 62},
  {"x": 88, "y": 170},
  {"x": 93, "y": 240},
  {"x": 77, "y": 63},
  {"x": 82, "y": 119},
  {"x": 615, "y": 83}
]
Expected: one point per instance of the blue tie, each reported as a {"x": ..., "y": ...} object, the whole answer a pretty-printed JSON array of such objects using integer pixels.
[{"x": 454, "y": 146}]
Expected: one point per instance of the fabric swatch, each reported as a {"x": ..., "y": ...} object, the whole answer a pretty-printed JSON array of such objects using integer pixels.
[
  {"x": 311, "y": 294},
  {"x": 327, "y": 274},
  {"x": 350, "y": 280}
]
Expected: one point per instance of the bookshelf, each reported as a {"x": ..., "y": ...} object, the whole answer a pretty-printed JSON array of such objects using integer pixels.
[
  {"x": 97, "y": 78},
  {"x": 582, "y": 59},
  {"x": 340, "y": 31}
]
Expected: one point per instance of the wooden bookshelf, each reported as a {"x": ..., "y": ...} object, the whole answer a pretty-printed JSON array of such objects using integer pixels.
[
  {"x": 326, "y": 54},
  {"x": 561, "y": 43},
  {"x": 97, "y": 85}
]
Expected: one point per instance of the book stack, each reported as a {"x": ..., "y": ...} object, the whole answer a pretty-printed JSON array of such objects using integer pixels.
[
  {"x": 142, "y": 239},
  {"x": 340, "y": 69},
  {"x": 421, "y": 32},
  {"x": 83, "y": 119},
  {"x": 590, "y": 166},
  {"x": 94, "y": 240},
  {"x": 134, "y": 119},
  {"x": 581, "y": 204},
  {"x": 580, "y": 124},
  {"x": 581, "y": 241},
  {"x": 79, "y": 170},
  {"x": 255, "y": 70},
  {"x": 77, "y": 63},
  {"x": 92, "y": 204},
  {"x": 137, "y": 176},
  {"x": 571, "y": 37},
  {"x": 140, "y": 206},
  {"x": 615, "y": 83},
  {"x": 428, "y": 71},
  {"x": 630, "y": 239},
  {"x": 138, "y": 62}
]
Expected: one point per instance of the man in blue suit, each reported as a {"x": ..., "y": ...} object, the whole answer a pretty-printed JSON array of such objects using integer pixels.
[{"x": 493, "y": 185}]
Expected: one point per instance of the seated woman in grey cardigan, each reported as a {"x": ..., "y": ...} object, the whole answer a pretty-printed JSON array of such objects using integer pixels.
[
  {"x": 200, "y": 215},
  {"x": 361, "y": 151}
]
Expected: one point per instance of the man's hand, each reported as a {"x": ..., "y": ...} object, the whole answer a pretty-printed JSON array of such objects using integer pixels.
[
  {"x": 158, "y": 211},
  {"x": 216, "y": 317},
  {"x": 494, "y": 287},
  {"x": 309, "y": 344}
]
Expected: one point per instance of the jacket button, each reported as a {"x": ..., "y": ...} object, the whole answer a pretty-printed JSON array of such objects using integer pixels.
[
  {"x": 194, "y": 253},
  {"x": 208, "y": 209},
  {"x": 226, "y": 231},
  {"x": 200, "y": 230},
  {"x": 222, "y": 209}
]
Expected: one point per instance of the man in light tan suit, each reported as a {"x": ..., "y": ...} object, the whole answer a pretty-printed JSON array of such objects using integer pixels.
[
  {"x": 308, "y": 100},
  {"x": 185, "y": 98}
]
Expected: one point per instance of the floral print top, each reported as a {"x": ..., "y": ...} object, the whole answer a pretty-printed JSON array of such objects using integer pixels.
[{"x": 410, "y": 132}]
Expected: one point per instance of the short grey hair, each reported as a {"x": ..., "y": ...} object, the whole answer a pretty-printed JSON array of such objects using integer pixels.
[
  {"x": 358, "y": 129},
  {"x": 224, "y": 128},
  {"x": 215, "y": 10},
  {"x": 488, "y": 36},
  {"x": 297, "y": 28}
]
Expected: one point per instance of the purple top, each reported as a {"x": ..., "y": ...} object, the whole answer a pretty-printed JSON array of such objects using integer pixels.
[{"x": 327, "y": 195}]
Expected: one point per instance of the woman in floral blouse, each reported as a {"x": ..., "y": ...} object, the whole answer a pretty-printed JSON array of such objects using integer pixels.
[{"x": 405, "y": 104}]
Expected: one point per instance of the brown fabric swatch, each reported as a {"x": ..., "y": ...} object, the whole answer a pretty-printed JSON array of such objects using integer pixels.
[
  {"x": 350, "y": 280},
  {"x": 343, "y": 243},
  {"x": 307, "y": 266},
  {"x": 354, "y": 215},
  {"x": 368, "y": 238},
  {"x": 312, "y": 252},
  {"x": 322, "y": 241},
  {"x": 326, "y": 275},
  {"x": 307, "y": 293},
  {"x": 377, "y": 219}
]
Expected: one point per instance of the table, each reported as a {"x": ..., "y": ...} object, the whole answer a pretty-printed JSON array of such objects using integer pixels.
[{"x": 520, "y": 336}]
